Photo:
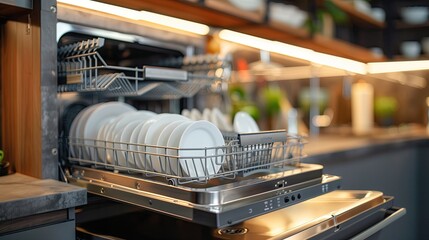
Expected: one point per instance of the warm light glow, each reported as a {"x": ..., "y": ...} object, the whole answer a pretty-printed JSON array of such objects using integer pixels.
[
  {"x": 176, "y": 23},
  {"x": 400, "y": 66},
  {"x": 348, "y": 65},
  {"x": 294, "y": 51},
  {"x": 248, "y": 40},
  {"x": 171, "y": 22}
]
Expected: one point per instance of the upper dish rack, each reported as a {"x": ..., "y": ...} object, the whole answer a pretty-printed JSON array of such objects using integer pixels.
[
  {"x": 241, "y": 156},
  {"x": 82, "y": 69}
]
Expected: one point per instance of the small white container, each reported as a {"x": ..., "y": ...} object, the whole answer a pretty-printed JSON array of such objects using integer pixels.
[
  {"x": 410, "y": 49},
  {"x": 415, "y": 15},
  {"x": 362, "y": 6},
  {"x": 362, "y": 108},
  {"x": 378, "y": 14}
]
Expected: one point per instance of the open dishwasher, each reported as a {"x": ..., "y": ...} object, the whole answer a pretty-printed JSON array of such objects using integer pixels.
[{"x": 260, "y": 189}]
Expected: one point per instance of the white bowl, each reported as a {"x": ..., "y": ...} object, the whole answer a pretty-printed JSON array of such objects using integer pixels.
[
  {"x": 378, "y": 14},
  {"x": 362, "y": 6},
  {"x": 410, "y": 49},
  {"x": 247, "y": 5},
  {"x": 415, "y": 15},
  {"x": 425, "y": 45}
]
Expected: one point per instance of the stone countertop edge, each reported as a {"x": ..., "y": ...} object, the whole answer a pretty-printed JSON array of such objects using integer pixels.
[
  {"x": 341, "y": 147},
  {"x": 21, "y": 196}
]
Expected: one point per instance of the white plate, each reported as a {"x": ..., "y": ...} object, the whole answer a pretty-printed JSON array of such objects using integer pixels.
[
  {"x": 247, "y": 5},
  {"x": 125, "y": 157},
  {"x": 172, "y": 143},
  {"x": 244, "y": 123},
  {"x": 207, "y": 114},
  {"x": 219, "y": 119},
  {"x": 101, "y": 140},
  {"x": 79, "y": 151},
  {"x": 161, "y": 165},
  {"x": 153, "y": 133},
  {"x": 206, "y": 137},
  {"x": 95, "y": 120},
  {"x": 117, "y": 126},
  {"x": 72, "y": 132},
  {"x": 136, "y": 159},
  {"x": 186, "y": 113},
  {"x": 144, "y": 164},
  {"x": 195, "y": 114}
]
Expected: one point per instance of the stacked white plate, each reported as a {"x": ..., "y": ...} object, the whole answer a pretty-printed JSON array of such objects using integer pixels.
[
  {"x": 244, "y": 123},
  {"x": 213, "y": 115},
  {"x": 117, "y": 134},
  {"x": 85, "y": 127}
]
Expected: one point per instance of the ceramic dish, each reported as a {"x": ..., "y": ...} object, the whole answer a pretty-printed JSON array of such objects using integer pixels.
[
  {"x": 80, "y": 130},
  {"x": 198, "y": 149},
  {"x": 75, "y": 130},
  {"x": 119, "y": 123},
  {"x": 101, "y": 140},
  {"x": 172, "y": 144},
  {"x": 136, "y": 158},
  {"x": 162, "y": 142},
  {"x": 207, "y": 114},
  {"x": 218, "y": 119},
  {"x": 248, "y": 5},
  {"x": 125, "y": 157},
  {"x": 72, "y": 133},
  {"x": 186, "y": 113},
  {"x": 142, "y": 158},
  {"x": 195, "y": 114},
  {"x": 244, "y": 123},
  {"x": 103, "y": 113},
  {"x": 152, "y": 135}
]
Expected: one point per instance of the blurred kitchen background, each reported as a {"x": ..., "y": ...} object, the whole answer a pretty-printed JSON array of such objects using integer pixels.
[{"x": 274, "y": 86}]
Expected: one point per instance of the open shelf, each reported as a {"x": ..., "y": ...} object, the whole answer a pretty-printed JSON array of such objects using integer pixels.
[
  {"x": 358, "y": 17},
  {"x": 403, "y": 25},
  {"x": 217, "y": 16}
]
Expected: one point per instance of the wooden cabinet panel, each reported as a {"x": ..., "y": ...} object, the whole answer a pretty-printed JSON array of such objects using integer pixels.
[{"x": 20, "y": 93}]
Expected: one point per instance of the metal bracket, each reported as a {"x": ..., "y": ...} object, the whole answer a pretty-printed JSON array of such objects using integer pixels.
[{"x": 336, "y": 224}]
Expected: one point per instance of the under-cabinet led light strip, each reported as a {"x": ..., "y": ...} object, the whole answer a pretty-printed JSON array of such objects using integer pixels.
[
  {"x": 323, "y": 59},
  {"x": 399, "y": 66},
  {"x": 294, "y": 51},
  {"x": 167, "y": 21}
]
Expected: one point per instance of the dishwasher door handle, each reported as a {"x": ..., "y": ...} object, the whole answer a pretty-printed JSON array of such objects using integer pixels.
[{"x": 380, "y": 225}]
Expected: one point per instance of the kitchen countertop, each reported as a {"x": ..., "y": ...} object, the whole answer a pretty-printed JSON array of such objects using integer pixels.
[
  {"x": 329, "y": 146},
  {"x": 21, "y": 196}
]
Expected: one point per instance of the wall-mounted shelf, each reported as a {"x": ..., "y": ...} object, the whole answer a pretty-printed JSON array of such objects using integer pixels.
[
  {"x": 402, "y": 25},
  {"x": 202, "y": 12},
  {"x": 360, "y": 18}
]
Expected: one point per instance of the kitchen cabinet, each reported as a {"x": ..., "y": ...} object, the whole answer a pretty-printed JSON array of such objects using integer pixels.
[
  {"x": 28, "y": 91},
  {"x": 220, "y": 16},
  {"x": 397, "y": 167},
  {"x": 395, "y": 30},
  {"x": 32, "y": 208}
]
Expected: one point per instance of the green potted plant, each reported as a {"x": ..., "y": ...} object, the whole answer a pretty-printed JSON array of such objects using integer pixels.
[
  {"x": 384, "y": 110},
  {"x": 327, "y": 11},
  {"x": 4, "y": 165}
]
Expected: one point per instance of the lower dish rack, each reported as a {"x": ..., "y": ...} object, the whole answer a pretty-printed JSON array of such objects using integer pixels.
[{"x": 255, "y": 174}]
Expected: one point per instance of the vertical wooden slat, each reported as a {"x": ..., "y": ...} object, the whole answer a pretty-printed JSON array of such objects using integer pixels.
[{"x": 21, "y": 95}]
